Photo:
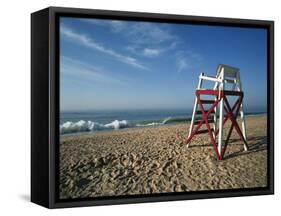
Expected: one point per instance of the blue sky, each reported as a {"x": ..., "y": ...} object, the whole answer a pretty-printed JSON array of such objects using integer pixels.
[{"x": 113, "y": 65}]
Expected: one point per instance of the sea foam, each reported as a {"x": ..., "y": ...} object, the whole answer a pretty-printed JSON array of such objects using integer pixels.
[
  {"x": 87, "y": 126},
  {"x": 154, "y": 123},
  {"x": 91, "y": 126}
]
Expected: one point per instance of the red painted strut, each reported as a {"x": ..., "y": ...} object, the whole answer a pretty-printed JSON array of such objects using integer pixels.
[{"x": 231, "y": 114}]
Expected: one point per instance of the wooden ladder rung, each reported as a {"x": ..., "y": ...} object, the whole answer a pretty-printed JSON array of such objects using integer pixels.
[
  {"x": 209, "y": 120},
  {"x": 207, "y": 101},
  {"x": 199, "y": 111}
]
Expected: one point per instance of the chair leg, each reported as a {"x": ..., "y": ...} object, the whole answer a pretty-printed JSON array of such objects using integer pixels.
[
  {"x": 221, "y": 118},
  {"x": 239, "y": 88},
  {"x": 192, "y": 120},
  {"x": 243, "y": 125},
  {"x": 194, "y": 110}
]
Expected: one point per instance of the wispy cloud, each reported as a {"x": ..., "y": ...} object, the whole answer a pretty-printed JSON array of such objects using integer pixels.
[
  {"x": 146, "y": 39},
  {"x": 148, "y": 33},
  {"x": 151, "y": 40},
  {"x": 151, "y": 52},
  {"x": 76, "y": 68},
  {"x": 182, "y": 64},
  {"x": 137, "y": 32},
  {"x": 187, "y": 60},
  {"x": 114, "y": 25},
  {"x": 85, "y": 40},
  {"x": 117, "y": 25}
]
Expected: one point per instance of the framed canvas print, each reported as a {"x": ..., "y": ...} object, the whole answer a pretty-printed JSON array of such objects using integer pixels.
[{"x": 139, "y": 107}]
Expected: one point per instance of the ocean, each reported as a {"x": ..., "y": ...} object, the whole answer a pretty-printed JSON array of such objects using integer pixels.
[{"x": 93, "y": 121}]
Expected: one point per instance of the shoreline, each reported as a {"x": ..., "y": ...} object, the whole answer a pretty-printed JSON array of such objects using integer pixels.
[
  {"x": 155, "y": 160},
  {"x": 141, "y": 127}
]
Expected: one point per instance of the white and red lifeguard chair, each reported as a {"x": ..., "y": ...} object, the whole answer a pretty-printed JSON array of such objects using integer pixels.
[{"x": 219, "y": 109}]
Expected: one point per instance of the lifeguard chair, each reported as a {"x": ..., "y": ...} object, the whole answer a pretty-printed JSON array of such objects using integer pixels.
[{"x": 219, "y": 110}]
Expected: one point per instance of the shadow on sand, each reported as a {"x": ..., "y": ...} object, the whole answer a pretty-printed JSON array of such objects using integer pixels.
[{"x": 256, "y": 144}]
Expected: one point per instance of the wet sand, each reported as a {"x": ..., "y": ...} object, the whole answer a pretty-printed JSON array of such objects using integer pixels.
[{"x": 156, "y": 160}]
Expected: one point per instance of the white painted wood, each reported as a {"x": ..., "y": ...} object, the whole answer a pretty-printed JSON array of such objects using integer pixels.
[
  {"x": 220, "y": 138},
  {"x": 229, "y": 71},
  {"x": 194, "y": 109},
  {"x": 215, "y": 109},
  {"x": 229, "y": 81},
  {"x": 225, "y": 74},
  {"x": 242, "y": 117},
  {"x": 233, "y": 72},
  {"x": 209, "y": 78}
]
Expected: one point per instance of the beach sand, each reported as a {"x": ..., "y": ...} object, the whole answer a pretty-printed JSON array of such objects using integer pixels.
[{"x": 156, "y": 160}]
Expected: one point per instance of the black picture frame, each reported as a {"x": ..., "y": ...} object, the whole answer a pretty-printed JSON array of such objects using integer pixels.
[{"x": 45, "y": 102}]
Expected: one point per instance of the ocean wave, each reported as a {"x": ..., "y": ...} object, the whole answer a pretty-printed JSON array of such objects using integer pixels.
[
  {"x": 90, "y": 126},
  {"x": 87, "y": 126},
  {"x": 165, "y": 121}
]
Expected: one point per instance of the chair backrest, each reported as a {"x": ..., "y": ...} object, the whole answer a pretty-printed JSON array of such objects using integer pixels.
[
  {"x": 227, "y": 78},
  {"x": 229, "y": 71}
]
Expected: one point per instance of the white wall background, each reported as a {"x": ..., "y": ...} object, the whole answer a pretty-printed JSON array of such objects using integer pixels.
[{"x": 15, "y": 106}]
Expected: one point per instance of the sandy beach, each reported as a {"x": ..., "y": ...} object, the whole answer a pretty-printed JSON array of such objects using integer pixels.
[{"x": 156, "y": 160}]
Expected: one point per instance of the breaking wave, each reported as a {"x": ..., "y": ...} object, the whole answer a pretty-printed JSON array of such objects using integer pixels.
[
  {"x": 90, "y": 126},
  {"x": 87, "y": 126}
]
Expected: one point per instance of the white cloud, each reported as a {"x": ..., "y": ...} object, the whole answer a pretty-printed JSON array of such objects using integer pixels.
[
  {"x": 182, "y": 64},
  {"x": 132, "y": 49},
  {"x": 117, "y": 25},
  {"x": 148, "y": 33},
  {"x": 146, "y": 52},
  {"x": 140, "y": 33},
  {"x": 173, "y": 45},
  {"x": 137, "y": 32},
  {"x": 89, "y": 42},
  {"x": 114, "y": 25},
  {"x": 151, "y": 52},
  {"x": 187, "y": 60},
  {"x": 76, "y": 68},
  {"x": 148, "y": 40}
]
